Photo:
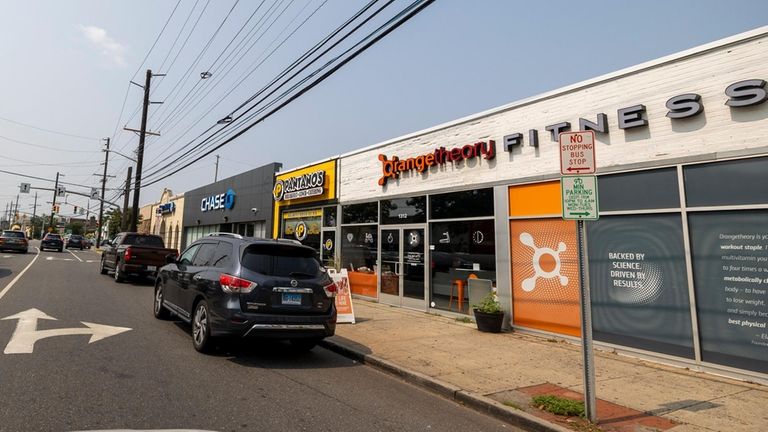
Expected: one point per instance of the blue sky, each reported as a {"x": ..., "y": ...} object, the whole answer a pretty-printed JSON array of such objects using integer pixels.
[{"x": 66, "y": 65}]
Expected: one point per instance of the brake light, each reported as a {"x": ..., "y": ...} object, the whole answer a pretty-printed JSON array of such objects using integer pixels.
[
  {"x": 331, "y": 289},
  {"x": 127, "y": 255},
  {"x": 235, "y": 285}
]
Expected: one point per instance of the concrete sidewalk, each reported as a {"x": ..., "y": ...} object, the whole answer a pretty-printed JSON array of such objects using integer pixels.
[{"x": 499, "y": 373}]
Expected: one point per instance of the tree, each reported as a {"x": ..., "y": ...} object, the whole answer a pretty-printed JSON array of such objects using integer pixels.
[
  {"x": 115, "y": 224},
  {"x": 75, "y": 228}
]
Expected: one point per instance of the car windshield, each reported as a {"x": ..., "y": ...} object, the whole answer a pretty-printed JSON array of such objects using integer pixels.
[
  {"x": 143, "y": 240},
  {"x": 281, "y": 260},
  {"x": 76, "y": 237},
  {"x": 18, "y": 234}
]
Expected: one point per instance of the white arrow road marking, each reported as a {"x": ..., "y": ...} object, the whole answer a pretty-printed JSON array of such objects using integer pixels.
[
  {"x": 26, "y": 333},
  {"x": 73, "y": 254}
]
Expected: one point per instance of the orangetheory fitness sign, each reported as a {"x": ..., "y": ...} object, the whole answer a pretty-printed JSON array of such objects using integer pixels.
[{"x": 391, "y": 168}]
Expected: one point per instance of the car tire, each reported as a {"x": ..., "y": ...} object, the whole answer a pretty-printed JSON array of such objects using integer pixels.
[
  {"x": 119, "y": 276},
  {"x": 159, "y": 311},
  {"x": 304, "y": 344},
  {"x": 102, "y": 269},
  {"x": 201, "y": 328}
]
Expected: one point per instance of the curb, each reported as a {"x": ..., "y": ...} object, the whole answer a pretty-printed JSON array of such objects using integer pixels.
[{"x": 467, "y": 398}]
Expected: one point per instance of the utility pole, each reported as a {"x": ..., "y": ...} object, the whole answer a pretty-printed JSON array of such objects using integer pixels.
[
  {"x": 55, "y": 191},
  {"x": 140, "y": 152},
  {"x": 34, "y": 213},
  {"x": 124, "y": 223},
  {"x": 16, "y": 213},
  {"x": 101, "y": 203},
  {"x": 6, "y": 213},
  {"x": 216, "y": 173}
]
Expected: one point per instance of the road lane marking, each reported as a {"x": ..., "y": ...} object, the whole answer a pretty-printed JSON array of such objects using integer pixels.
[
  {"x": 13, "y": 282},
  {"x": 73, "y": 254},
  {"x": 50, "y": 258},
  {"x": 6, "y": 256},
  {"x": 26, "y": 333}
]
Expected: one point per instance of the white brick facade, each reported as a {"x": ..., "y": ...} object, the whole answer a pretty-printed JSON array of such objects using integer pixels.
[{"x": 718, "y": 130}]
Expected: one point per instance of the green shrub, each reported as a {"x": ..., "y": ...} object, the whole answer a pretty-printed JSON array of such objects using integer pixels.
[
  {"x": 489, "y": 304},
  {"x": 559, "y": 406}
]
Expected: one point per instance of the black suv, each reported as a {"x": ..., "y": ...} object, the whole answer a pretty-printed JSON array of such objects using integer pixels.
[{"x": 227, "y": 285}]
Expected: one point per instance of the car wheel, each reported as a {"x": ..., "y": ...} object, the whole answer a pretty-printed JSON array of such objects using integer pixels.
[
  {"x": 201, "y": 328},
  {"x": 102, "y": 269},
  {"x": 61, "y": 249},
  {"x": 304, "y": 344},
  {"x": 119, "y": 276},
  {"x": 159, "y": 311}
]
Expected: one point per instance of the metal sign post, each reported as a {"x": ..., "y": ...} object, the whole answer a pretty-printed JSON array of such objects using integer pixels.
[{"x": 580, "y": 203}]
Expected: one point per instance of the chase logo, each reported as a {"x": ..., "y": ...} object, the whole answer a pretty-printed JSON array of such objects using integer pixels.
[{"x": 219, "y": 201}]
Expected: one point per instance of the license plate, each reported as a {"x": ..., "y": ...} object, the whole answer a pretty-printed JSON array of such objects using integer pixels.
[
  {"x": 151, "y": 268},
  {"x": 291, "y": 299}
]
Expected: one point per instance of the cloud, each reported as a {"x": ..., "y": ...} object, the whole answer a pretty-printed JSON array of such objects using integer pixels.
[{"x": 109, "y": 47}]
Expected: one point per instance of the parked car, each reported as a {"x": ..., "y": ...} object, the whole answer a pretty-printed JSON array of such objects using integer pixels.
[
  {"x": 132, "y": 253},
  {"x": 227, "y": 285},
  {"x": 87, "y": 242},
  {"x": 14, "y": 240},
  {"x": 52, "y": 241},
  {"x": 75, "y": 242}
]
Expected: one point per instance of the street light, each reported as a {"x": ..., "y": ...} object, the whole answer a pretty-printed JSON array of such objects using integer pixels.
[{"x": 118, "y": 153}]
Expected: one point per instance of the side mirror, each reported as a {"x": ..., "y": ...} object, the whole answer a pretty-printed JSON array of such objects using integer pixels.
[{"x": 170, "y": 259}]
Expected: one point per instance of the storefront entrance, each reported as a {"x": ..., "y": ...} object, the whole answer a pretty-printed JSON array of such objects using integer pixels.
[{"x": 402, "y": 271}]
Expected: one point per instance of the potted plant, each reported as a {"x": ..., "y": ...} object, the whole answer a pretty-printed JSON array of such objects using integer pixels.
[{"x": 488, "y": 314}]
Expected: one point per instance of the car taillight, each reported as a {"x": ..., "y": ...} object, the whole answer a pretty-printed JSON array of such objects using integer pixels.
[
  {"x": 232, "y": 284},
  {"x": 331, "y": 289},
  {"x": 127, "y": 255}
]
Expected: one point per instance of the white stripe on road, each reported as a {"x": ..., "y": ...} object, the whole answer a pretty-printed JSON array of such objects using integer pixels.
[
  {"x": 13, "y": 282},
  {"x": 73, "y": 254}
]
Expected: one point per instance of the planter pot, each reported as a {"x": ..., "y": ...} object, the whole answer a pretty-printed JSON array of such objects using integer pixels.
[{"x": 489, "y": 322}]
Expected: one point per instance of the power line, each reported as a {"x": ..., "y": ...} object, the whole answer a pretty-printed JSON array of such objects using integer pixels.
[
  {"x": 46, "y": 147},
  {"x": 48, "y": 130},
  {"x": 156, "y": 39},
  {"x": 404, "y": 16}
]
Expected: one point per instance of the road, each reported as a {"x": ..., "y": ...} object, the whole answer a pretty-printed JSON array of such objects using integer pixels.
[{"x": 150, "y": 377}]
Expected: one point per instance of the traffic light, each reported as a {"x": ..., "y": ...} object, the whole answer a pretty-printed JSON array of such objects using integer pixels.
[{"x": 75, "y": 209}]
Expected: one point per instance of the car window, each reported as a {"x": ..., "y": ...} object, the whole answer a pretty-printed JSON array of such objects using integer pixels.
[
  {"x": 143, "y": 240},
  {"x": 222, "y": 258},
  {"x": 281, "y": 260},
  {"x": 204, "y": 255},
  {"x": 18, "y": 234},
  {"x": 186, "y": 257},
  {"x": 53, "y": 236}
]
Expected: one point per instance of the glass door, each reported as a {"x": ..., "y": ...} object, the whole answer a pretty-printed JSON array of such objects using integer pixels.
[{"x": 402, "y": 272}]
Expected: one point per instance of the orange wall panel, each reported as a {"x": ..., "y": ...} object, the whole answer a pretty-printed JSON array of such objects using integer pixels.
[
  {"x": 535, "y": 199},
  {"x": 545, "y": 278}
]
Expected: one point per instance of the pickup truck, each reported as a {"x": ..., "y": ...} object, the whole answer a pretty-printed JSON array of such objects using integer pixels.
[{"x": 131, "y": 253}]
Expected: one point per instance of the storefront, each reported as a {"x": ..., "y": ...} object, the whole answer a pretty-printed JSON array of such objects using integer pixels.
[
  {"x": 167, "y": 218},
  {"x": 679, "y": 257},
  {"x": 240, "y": 204},
  {"x": 305, "y": 208}
]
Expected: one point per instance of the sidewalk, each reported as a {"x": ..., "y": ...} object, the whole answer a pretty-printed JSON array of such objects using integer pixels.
[{"x": 499, "y": 373}]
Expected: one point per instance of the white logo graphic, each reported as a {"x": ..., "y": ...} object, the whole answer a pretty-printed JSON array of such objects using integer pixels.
[
  {"x": 350, "y": 237},
  {"x": 478, "y": 237},
  {"x": 414, "y": 238},
  {"x": 530, "y": 283},
  {"x": 390, "y": 238}
]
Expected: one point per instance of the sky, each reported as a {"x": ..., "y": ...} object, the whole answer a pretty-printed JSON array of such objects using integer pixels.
[{"x": 66, "y": 69}]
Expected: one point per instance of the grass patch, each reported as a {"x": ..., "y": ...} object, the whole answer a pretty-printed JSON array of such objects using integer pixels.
[
  {"x": 559, "y": 406},
  {"x": 513, "y": 405},
  {"x": 465, "y": 320}
]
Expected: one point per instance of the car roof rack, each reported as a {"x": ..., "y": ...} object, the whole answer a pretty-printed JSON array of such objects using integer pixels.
[{"x": 226, "y": 234}]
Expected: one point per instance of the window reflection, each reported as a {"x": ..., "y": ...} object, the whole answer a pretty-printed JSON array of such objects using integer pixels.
[
  {"x": 461, "y": 251},
  {"x": 359, "y": 246},
  {"x": 456, "y": 205}
]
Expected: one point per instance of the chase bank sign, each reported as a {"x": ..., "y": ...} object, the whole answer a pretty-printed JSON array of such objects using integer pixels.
[{"x": 218, "y": 202}]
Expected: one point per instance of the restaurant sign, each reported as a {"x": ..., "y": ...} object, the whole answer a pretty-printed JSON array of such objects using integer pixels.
[{"x": 301, "y": 186}]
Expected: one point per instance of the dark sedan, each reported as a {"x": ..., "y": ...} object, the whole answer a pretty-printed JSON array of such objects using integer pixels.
[
  {"x": 14, "y": 240},
  {"x": 75, "y": 242},
  {"x": 52, "y": 241}
]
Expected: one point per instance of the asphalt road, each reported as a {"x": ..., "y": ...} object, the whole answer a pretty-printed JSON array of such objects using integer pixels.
[{"x": 150, "y": 377}]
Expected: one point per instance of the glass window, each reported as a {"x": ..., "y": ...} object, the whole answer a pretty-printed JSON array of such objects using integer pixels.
[
  {"x": 282, "y": 261},
  {"x": 730, "y": 274},
  {"x": 655, "y": 189},
  {"x": 186, "y": 257},
  {"x": 329, "y": 217},
  {"x": 454, "y": 205},
  {"x": 360, "y": 213},
  {"x": 328, "y": 249},
  {"x": 460, "y": 251},
  {"x": 303, "y": 226},
  {"x": 143, "y": 240},
  {"x": 404, "y": 210},
  {"x": 222, "y": 258},
  {"x": 726, "y": 183},
  {"x": 204, "y": 255},
  {"x": 359, "y": 248},
  {"x": 638, "y": 283}
]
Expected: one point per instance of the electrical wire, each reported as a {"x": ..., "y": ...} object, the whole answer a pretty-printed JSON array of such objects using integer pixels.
[{"x": 48, "y": 130}]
